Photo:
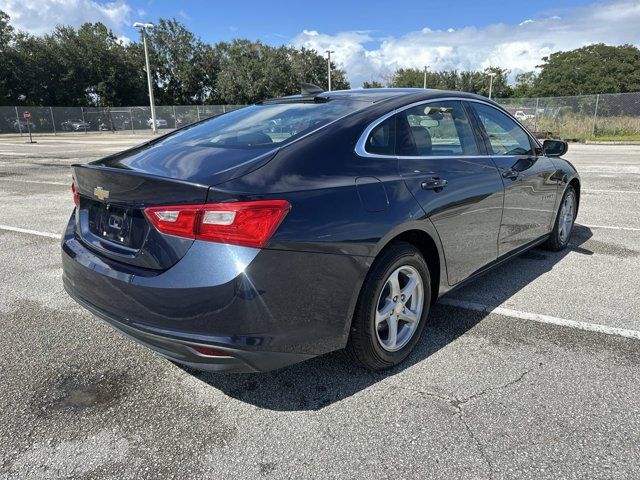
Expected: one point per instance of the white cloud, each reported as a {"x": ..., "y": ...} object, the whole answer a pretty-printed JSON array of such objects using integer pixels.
[
  {"x": 184, "y": 15},
  {"x": 42, "y": 16},
  {"x": 518, "y": 47}
]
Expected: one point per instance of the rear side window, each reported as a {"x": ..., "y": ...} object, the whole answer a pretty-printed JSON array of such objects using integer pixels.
[
  {"x": 381, "y": 140},
  {"x": 263, "y": 125},
  {"x": 505, "y": 135},
  {"x": 435, "y": 129}
]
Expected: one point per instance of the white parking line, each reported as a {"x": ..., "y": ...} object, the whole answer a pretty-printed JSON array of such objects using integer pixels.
[
  {"x": 478, "y": 307},
  {"x": 30, "y": 232},
  {"x": 589, "y": 190},
  {"x": 610, "y": 227},
  {"x": 40, "y": 182},
  {"x": 537, "y": 317},
  {"x": 608, "y": 172}
]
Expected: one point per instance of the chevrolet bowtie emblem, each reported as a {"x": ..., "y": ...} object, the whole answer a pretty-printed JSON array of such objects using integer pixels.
[{"x": 101, "y": 193}]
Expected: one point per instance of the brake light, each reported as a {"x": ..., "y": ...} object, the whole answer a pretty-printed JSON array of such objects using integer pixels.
[
  {"x": 249, "y": 224},
  {"x": 76, "y": 197}
]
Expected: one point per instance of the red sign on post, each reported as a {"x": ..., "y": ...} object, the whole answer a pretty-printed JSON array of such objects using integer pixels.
[{"x": 26, "y": 115}]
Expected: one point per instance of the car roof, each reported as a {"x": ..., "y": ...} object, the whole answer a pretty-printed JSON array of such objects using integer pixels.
[{"x": 374, "y": 95}]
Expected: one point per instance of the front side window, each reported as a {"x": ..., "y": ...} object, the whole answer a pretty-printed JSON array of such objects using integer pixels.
[
  {"x": 435, "y": 129},
  {"x": 505, "y": 135}
]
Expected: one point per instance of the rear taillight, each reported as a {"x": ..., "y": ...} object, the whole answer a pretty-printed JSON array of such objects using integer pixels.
[
  {"x": 239, "y": 223},
  {"x": 76, "y": 197}
]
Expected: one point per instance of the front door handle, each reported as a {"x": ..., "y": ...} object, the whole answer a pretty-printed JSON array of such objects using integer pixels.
[
  {"x": 434, "y": 183},
  {"x": 511, "y": 174}
]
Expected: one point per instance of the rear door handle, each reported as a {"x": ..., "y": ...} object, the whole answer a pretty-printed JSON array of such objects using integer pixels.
[{"x": 434, "y": 183}]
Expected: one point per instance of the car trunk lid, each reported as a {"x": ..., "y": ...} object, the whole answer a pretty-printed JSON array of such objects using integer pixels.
[{"x": 114, "y": 192}]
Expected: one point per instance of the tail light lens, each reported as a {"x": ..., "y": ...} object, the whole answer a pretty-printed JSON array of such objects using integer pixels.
[
  {"x": 76, "y": 197},
  {"x": 249, "y": 224}
]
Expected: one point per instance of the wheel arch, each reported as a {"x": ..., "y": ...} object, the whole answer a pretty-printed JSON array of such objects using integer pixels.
[
  {"x": 428, "y": 244},
  {"x": 575, "y": 183},
  {"x": 426, "y": 240}
]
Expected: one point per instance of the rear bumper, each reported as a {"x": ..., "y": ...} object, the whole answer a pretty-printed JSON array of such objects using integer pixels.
[
  {"x": 180, "y": 351},
  {"x": 267, "y": 308}
]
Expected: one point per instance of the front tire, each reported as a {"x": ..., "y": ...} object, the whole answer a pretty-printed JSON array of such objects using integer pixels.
[
  {"x": 392, "y": 308},
  {"x": 561, "y": 233}
]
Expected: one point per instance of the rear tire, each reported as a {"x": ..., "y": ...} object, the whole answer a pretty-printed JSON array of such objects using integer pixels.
[
  {"x": 391, "y": 312},
  {"x": 563, "y": 227}
]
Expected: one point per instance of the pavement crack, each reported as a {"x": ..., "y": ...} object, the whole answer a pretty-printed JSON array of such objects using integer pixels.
[
  {"x": 482, "y": 393},
  {"x": 479, "y": 445},
  {"x": 458, "y": 405}
]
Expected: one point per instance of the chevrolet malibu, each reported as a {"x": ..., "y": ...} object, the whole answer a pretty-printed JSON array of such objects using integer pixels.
[{"x": 310, "y": 223}]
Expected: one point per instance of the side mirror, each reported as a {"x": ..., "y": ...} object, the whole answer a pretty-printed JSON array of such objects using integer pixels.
[{"x": 555, "y": 148}]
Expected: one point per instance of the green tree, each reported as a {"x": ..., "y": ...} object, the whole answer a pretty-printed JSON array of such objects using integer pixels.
[
  {"x": 500, "y": 86},
  {"x": 178, "y": 64},
  {"x": 311, "y": 67},
  {"x": 69, "y": 67},
  {"x": 407, "y": 78},
  {"x": 110, "y": 73},
  {"x": 525, "y": 84},
  {"x": 597, "y": 68},
  {"x": 252, "y": 71},
  {"x": 6, "y": 31},
  {"x": 372, "y": 84},
  {"x": 34, "y": 72},
  {"x": 7, "y": 68},
  {"x": 465, "y": 81}
]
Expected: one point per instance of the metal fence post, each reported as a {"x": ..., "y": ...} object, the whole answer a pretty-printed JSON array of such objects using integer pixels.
[
  {"x": 131, "y": 120},
  {"x": 175, "y": 119},
  {"x": 198, "y": 111},
  {"x": 18, "y": 126},
  {"x": 53, "y": 122},
  {"x": 83, "y": 122},
  {"x": 535, "y": 116},
  {"x": 595, "y": 116}
]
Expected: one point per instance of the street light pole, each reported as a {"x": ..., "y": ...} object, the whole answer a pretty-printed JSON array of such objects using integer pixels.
[
  {"x": 424, "y": 85},
  {"x": 491, "y": 75},
  {"x": 329, "y": 52},
  {"x": 143, "y": 28}
]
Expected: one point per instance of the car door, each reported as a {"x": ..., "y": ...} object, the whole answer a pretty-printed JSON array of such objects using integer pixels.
[
  {"x": 530, "y": 185},
  {"x": 457, "y": 185}
]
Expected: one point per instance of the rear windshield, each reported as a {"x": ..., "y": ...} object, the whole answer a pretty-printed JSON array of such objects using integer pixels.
[{"x": 263, "y": 125}]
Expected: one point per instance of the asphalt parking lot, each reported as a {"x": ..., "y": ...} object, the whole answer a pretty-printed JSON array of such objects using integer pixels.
[{"x": 530, "y": 372}]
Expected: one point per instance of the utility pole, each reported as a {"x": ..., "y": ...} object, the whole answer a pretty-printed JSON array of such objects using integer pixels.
[
  {"x": 491, "y": 75},
  {"x": 424, "y": 85},
  {"x": 143, "y": 29},
  {"x": 329, "y": 52}
]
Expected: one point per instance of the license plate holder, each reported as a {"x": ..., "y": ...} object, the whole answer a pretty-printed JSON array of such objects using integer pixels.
[{"x": 114, "y": 223}]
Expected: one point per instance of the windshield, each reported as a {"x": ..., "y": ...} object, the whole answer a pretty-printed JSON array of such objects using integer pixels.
[{"x": 263, "y": 125}]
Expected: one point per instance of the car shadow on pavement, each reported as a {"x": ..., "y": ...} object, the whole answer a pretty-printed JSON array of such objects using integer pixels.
[{"x": 323, "y": 380}]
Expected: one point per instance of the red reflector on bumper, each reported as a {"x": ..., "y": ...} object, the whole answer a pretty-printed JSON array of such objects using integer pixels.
[{"x": 210, "y": 352}]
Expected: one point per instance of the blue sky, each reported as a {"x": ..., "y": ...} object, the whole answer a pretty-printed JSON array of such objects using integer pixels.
[
  {"x": 370, "y": 38},
  {"x": 279, "y": 22}
]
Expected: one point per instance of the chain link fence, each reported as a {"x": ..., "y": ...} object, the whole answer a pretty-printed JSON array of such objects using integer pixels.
[
  {"x": 611, "y": 116},
  {"x": 582, "y": 117},
  {"x": 55, "y": 120}
]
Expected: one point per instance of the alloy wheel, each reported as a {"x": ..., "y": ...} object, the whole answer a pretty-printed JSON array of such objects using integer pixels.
[
  {"x": 565, "y": 222},
  {"x": 399, "y": 308}
]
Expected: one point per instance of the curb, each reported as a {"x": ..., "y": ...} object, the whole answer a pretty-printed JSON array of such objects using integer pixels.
[{"x": 612, "y": 142}]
